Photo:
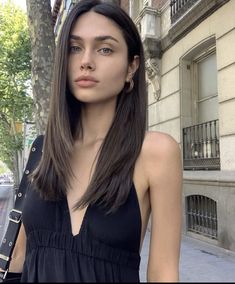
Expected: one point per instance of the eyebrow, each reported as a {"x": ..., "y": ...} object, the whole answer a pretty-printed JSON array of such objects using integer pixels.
[{"x": 98, "y": 38}]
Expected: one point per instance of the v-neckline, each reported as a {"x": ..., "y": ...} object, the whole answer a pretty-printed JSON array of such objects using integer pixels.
[{"x": 70, "y": 220}]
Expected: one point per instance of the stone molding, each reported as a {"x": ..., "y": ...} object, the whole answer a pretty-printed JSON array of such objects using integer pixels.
[
  {"x": 153, "y": 76},
  {"x": 227, "y": 177}
]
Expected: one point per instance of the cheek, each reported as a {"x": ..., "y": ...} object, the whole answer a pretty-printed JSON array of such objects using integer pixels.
[
  {"x": 118, "y": 74},
  {"x": 116, "y": 82}
]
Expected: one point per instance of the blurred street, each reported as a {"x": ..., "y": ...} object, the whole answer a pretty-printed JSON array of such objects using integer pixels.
[
  {"x": 199, "y": 262},
  {"x": 6, "y": 203}
]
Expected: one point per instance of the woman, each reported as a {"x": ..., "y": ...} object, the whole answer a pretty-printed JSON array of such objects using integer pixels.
[{"x": 101, "y": 174}]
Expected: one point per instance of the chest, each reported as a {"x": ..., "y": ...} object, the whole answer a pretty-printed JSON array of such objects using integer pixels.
[
  {"x": 83, "y": 162},
  {"x": 121, "y": 229}
]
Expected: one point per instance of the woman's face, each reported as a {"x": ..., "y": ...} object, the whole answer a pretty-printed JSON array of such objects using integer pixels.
[{"x": 98, "y": 59}]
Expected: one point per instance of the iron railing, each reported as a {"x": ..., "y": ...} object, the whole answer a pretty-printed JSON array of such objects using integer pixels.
[
  {"x": 201, "y": 146},
  {"x": 180, "y": 7},
  {"x": 202, "y": 216}
]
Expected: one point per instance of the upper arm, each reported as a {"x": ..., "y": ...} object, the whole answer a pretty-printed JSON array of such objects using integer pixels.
[
  {"x": 18, "y": 255},
  {"x": 165, "y": 188}
]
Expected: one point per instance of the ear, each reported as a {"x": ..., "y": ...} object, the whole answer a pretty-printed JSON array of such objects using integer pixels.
[{"x": 133, "y": 66}]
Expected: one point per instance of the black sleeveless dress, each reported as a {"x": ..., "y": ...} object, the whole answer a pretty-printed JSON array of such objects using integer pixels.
[{"x": 105, "y": 250}]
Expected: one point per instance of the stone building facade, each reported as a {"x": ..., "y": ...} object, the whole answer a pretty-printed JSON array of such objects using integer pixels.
[{"x": 190, "y": 69}]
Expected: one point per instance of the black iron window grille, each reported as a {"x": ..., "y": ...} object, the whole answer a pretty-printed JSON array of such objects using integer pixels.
[
  {"x": 202, "y": 216},
  {"x": 201, "y": 146},
  {"x": 180, "y": 7}
]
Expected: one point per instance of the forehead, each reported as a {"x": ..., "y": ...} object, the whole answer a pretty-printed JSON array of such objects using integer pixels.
[{"x": 91, "y": 24}]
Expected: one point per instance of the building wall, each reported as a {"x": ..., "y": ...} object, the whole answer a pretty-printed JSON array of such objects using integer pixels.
[
  {"x": 170, "y": 113},
  {"x": 170, "y": 79},
  {"x": 125, "y": 5},
  {"x": 222, "y": 191},
  {"x": 165, "y": 18},
  {"x": 172, "y": 110}
]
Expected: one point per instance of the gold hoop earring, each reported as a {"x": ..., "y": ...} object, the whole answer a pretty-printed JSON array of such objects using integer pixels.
[{"x": 131, "y": 86}]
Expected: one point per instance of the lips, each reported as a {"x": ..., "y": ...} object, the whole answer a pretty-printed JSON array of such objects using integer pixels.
[{"x": 86, "y": 81}]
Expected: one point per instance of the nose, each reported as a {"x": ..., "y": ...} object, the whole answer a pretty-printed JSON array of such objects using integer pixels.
[
  {"x": 87, "y": 62},
  {"x": 87, "y": 66}
]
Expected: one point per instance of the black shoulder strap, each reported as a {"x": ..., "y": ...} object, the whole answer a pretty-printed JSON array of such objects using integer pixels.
[{"x": 10, "y": 237}]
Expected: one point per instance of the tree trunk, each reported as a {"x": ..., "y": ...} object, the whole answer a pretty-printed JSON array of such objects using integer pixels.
[{"x": 43, "y": 49}]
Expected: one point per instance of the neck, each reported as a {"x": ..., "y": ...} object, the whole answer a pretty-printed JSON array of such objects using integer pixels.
[{"x": 96, "y": 120}]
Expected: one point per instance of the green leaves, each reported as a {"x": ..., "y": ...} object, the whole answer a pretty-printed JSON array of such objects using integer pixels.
[{"x": 15, "y": 75}]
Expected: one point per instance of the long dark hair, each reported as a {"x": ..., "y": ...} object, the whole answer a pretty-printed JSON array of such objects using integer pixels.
[{"x": 113, "y": 174}]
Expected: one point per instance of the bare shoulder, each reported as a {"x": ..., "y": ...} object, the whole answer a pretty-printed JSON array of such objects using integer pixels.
[
  {"x": 161, "y": 156},
  {"x": 159, "y": 145}
]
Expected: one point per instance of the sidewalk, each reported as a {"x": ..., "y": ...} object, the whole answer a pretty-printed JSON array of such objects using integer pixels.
[
  {"x": 6, "y": 204},
  {"x": 199, "y": 262}
]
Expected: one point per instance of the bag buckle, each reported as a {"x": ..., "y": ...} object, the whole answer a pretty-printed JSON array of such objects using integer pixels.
[
  {"x": 4, "y": 257},
  {"x": 15, "y": 216}
]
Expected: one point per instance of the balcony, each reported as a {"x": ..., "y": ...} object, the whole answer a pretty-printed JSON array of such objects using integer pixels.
[
  {"x": 201, "y": 146},
  {"x": 180, "y": 7},
  {"x": 186, "y": 15}
]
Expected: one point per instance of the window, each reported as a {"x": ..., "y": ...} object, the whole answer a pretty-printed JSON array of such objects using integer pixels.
[
  {"x": 205, "y": 89},
  {"x": 201, "y": 214},
  {"x": 200, "y": 111}
]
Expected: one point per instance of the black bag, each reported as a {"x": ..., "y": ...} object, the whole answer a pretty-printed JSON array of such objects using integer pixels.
[
  {"x": 10, "y": 237},
  {"x": 11, "y": 277}
]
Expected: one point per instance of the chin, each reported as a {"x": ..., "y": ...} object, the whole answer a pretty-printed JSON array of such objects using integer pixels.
[
  {"x": 88, "y": 97},
  {"x": 93, "y": 96}
]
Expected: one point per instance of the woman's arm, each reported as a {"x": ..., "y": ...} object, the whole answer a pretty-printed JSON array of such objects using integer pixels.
[
  {"x": 164, "y": 170},
  {"x": 18, "y": 255}
]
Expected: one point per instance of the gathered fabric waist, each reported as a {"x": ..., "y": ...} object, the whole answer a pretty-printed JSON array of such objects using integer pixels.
[{"x": 82, "y": 244}]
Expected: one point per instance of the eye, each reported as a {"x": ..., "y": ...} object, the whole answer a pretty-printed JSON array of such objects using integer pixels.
[
  {"x": 105, "y": 50},
  {"x": 74, "y": 49}
]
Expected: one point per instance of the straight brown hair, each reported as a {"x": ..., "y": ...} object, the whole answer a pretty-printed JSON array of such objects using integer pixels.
[{"x": 113, "y": 174}]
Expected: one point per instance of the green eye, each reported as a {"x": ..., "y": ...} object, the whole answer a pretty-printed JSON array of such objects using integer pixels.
[
  {"x": 74, "y": 49},
  {"x": 105, "y": 51}
]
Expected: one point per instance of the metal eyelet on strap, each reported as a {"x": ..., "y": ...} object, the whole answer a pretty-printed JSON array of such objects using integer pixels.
[
  {"x": 33, "y": 149},
  {"x": 27, "y": 172},
  {"x": 19, "y": 194}
]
